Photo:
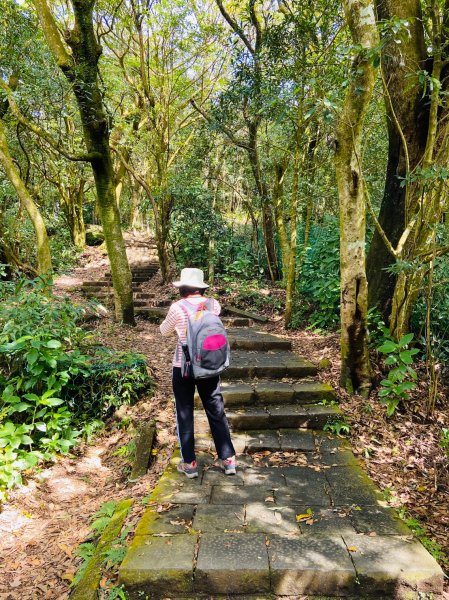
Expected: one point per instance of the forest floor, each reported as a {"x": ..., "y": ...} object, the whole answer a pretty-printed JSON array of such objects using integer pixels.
[{"x": 46, "y": 519}]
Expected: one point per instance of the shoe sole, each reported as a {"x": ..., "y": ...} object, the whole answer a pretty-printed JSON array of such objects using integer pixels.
[
  {"x": 188, "y": 475},
  {"x": 230, "y": 472}
]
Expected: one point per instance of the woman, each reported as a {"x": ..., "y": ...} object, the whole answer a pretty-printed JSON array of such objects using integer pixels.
[{"x": 191, "y": 288}]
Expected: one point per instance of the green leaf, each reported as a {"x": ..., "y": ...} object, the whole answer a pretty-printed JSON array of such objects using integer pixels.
[
  {"x": 53, "y": 344},
  {"x": 387, "y": 347},
  {"x": 406, "y": 339},
  {"x": 406, "y": 357}
]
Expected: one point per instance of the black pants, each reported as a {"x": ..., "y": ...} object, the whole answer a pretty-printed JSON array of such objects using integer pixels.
[{"x": 209, "y": 391}]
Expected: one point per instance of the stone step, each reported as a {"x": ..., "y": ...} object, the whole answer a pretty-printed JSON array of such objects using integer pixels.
[
  {"x": 162, "y": 303},
  {"x": 249, "y": 339},
  {"x": 275, "y": 364},
  {"x": 263, "y": 393},
  {"x": 220, "y": 537},
  {"x": 157, "y": 314},
  {"x": 96, "y": 291},
  {"x": 311, "y": 416}
]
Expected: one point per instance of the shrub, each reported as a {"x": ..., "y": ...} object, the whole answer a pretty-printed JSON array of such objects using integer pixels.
[
  {"x": 54, "y": 385},
  {"x": 320, "y": 277}
]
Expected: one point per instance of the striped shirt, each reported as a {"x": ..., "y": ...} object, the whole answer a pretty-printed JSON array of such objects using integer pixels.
[{"x": 176, "y": 322}]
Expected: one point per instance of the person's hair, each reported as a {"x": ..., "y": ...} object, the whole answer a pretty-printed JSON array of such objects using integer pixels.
[{"x": 186, "y": 290}]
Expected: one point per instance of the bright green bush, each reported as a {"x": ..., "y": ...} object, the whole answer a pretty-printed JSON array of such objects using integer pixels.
[
  {"x": 54, "y": 384},
  {"x": 319, "y": 282}
]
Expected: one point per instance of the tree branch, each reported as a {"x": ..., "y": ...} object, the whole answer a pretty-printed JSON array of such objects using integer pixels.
[
  {"x": 51, "y": 141},
  {"x": 52, "y": 35},
  {"x": 235, "y": 26},
  {"x": 238, "y": 142}
]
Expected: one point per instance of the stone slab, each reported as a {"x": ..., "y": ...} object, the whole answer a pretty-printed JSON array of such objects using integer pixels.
[
  {"x": 256, "y": 441},
  {"x": 338, "y": 458},
  {"x": 232, "y": 563},
  {"x": 394, "y": 565},
  {"x": 295, "y": 439},
  {"x": 350, "y": 485},
  {"x": 309, "y": 392},
  {"x": 211, "y": 518},
  {"x": 237, "y": 394},
  {"x": 377, "y": 519},
  {"x": 252, "y": 417},
  {"x": 323, "y": 522},
  {"x": 327, "y": 442},
  {"x": 266, "y": 476},
  {"x": 286, "y": 416},
  {"x": 250, "y": 339},
  {"x": 310, "y": 566},
  {"x": 304, "y": 486},
  {"x": 261, "y": 518},
  {"x": 175, "y": 520},
  {"x": 269, "y": 364},
  {"x": 159, "y": 565},
  {"x": 269, "y": 392},
  {"x": 241, "y": 494},
  {"x": 216, "y": 476}
]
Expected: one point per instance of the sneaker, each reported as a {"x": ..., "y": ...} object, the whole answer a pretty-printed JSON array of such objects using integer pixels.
[
  {"x": 229, "y": 465},
  {"x": 190, "y": 470}
]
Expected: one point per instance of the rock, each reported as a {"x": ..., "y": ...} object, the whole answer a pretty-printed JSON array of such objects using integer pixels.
[{"x": 94, "y": 235}]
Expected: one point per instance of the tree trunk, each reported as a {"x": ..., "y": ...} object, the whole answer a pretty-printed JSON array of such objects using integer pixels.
[
  {"x": 278, "y": 202},
  {"x": 73, "y": 200},
  {"x": 407, "y": 132},
  {"x": 355, "y": 367},
  {"x": 44, "y": 263},
  {"x": 291, "y": 268},
  {"x": 81, "y": 70}
]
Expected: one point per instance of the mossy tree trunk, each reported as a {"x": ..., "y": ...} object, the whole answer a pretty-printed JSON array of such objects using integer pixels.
[
  {"x": 407, "y": 119},
  {"x": 81, "y": 69},
  {"x": 73, "y": 200},
  {"x": 355, "y": 365},
  {"x": 44, "y": 262}
]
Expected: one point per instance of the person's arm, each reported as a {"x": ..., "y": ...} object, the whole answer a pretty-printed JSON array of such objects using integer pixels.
[
  {"x": 168, "y": 326},
  {"x": 217, "y": 307}
]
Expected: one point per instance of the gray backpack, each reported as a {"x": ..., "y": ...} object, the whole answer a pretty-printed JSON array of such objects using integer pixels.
[{"x": 207, "y": 352}]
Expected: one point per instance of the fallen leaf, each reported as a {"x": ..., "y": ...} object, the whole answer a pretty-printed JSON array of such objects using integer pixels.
[
  {"x": 352, "y": 549},
  {"x": 269, "y": 499}
]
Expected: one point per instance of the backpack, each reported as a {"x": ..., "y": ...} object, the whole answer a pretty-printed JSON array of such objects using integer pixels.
[{"x": 207, "y": 352}]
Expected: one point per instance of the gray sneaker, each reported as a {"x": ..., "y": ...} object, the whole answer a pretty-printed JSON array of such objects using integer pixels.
[
  {"x": 190, "y": 470},
  {"x": 229, "y": 465}
]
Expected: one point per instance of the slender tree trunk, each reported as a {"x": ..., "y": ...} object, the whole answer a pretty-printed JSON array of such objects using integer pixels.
[
  {"x": 355, "y": 369},
  {"x": 267, "y": 209},
  {"x": 291, "y": 270},
  {"x": 81, "y": 70},
  {"x": 44, "y": 263},
  {"x": 278, "y": 204},
  {"x": 73, "y": 200}
]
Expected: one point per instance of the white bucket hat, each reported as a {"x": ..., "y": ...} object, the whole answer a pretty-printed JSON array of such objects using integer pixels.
[{"x": 193, "y": 278}]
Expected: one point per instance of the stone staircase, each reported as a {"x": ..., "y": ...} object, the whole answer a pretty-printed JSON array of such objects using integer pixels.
[
  {"x": 316, "y": 528},
  {"x": 102, "y": 290}
]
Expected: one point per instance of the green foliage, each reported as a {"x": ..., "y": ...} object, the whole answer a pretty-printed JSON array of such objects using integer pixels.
[
  {"x": 444, "y": 442},
  {"x": 51, "y": 389},
  {"x": 421, "y": 533},
  {"x": 402, "y": 377},
  {"x": 338, "y": 426},
  {"x": 320, "y": 277}
]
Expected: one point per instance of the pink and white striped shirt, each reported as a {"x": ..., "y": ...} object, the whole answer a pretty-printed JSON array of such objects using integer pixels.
[{"x": 176, "y": 321}]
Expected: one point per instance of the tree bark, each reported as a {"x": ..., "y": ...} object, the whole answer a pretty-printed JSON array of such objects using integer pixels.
[
  {"x": 407, "y": 132},
  {"x": 81, "y": 70},
  {"x": 355, "y": 368},
  {"x": 44, "y": 263},
  {"x": 73, "y": 200}
]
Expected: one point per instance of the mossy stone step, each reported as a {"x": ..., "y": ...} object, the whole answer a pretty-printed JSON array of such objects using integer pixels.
[
  {"x": 275, "y": 364},
  {"x": 238, "y": 394},
  {"x": 311, "y": 416},
  {"x": 248, "y": 339}
]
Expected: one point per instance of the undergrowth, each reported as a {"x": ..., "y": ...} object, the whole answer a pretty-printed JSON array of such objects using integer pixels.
[{"x": 57, "y": 384}]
